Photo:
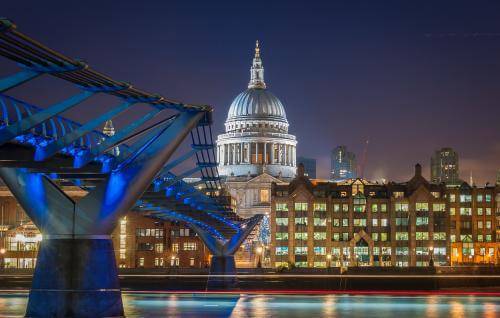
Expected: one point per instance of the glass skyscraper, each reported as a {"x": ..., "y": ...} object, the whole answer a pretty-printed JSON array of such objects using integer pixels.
[
  {"x": 343, "y": 164},
  {"x": 444, "y": 166}
]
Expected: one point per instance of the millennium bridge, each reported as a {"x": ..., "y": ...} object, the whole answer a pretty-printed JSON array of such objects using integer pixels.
[{"x": 41, "y": 151}]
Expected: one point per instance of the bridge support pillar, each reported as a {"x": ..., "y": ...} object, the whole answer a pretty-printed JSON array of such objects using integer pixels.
[
  {"x": 75, "y": 277},
  {"x": 222, "y": 273}
]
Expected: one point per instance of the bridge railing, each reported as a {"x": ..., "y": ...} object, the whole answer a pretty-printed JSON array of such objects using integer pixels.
[{"x": 13, "y": 110}]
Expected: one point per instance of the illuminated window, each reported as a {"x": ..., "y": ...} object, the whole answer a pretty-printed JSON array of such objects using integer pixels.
[
  {"x": 452, "y": 198},
  {"x": 336, "y": 208},
  {"x": 398, "y": 194},
  {"x": 374, "y": 208},
  {"x": 401, "y": 207},
  {"x": 159, "y": 247},
  {"x": 465, "y": 198},
  {"x": 421, "y": 236},
  {"x": 301, "y": 250},
  {"x": 281, "y": 207},
  {"x": 345, "y": 236},
  {"x": 175, "y": 247},
  {"x": 345, "y": 222},
  {"x": 282, "y": 221},
  {"x": 402, "y": 250},
  {"x": 383, "y": 207},
  {"x": 301, "y": 206},
  {"x": 383, "y": 237},
  {"x": 319, "y": 206},
  {"x": 488, "y": 197},
  {"x": 301, "y": 236},
  {"x": 281, "y": 236},
  {"x": 479, "y": 198},
  {"x": 336, "y": 222},
  {"x": 401, "y": 221},
  {"x": 465, "y": 211},
  {"x": 336, "y": 237},
  {"x": 375, "y": 222},
  {"x": 452, "y": 211},
  {"x": 479, "y": 211},
  {"x": 301, "y": 221},
  {"x": 282, "y": 250},
  {"x": 319, "y": 250},
  {"x": 422, "y": 221},
  {"x": 438, "y": 207},
  {"x": 264, "y": 195},
  {"x": 439, "y": 236},
  {"x": 359, "y": 222},
  {"x": 319, "y": 236},
  {"x": 384, "y": 222},
  {"x": 319, "y": 222},
  {"x": 375, "y": 236},
  {"x": 422, "y": 206},
  {"x": 189, "y": 246},
  {"x": 345, "y": 207},
  {"x": 359, "y": 202},
  {"x": 401, "y": 236},
  {"x": 488, "y": 211}
]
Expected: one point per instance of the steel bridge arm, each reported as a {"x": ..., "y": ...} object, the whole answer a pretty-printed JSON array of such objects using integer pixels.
[
  {"x": 112, "y": 141},
  {"x": 17, "y": 79},
  {"x": 245, "y": 229},
  {"x": 124, "y": 186},
  {"x": 50, "y": 208}
]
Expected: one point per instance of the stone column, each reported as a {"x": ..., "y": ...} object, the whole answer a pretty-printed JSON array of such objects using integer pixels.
[
  {"x": 271, "y": 157},
  {"x": 286, "y": 154},
  {"x": 249, "y": 150},
  {"x": 257, "y": 152},
  {"x": 264, "y": 159}
]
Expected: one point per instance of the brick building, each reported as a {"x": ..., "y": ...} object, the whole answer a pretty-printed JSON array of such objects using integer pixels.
[
  {"x": 358, "y": 223},
  {"x": 138, "y": 241}
]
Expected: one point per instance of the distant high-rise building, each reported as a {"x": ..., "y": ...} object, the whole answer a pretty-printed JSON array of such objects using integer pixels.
[
  {"x": 309, "y": 166},
  {"x": 444, "y": 166},
  {"x": 343, "y": 163}
]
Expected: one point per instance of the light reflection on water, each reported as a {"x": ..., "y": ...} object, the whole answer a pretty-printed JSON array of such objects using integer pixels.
[{"x": 238, "y": 306}]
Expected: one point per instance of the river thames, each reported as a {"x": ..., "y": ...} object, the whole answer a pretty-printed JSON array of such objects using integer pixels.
[{"x": 13, "y": 304}]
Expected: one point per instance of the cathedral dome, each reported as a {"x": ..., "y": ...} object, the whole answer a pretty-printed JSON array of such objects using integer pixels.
[
  {"x": 256, "y": 138},
  {"x": 256, "y": 103}
]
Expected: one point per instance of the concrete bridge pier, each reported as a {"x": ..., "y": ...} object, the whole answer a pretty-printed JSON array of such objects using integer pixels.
[
  {"x": 75, "y": 277},
  {"x": 222, "y": 273}
]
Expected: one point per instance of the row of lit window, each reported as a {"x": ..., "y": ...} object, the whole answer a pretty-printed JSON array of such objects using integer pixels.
[
  {"x": 463, "y": 198},
  {"x": 336, "y": 251}
]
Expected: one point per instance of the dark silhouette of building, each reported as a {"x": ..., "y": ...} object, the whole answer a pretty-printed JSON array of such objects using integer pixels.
[
  {"x": 444, "y": 166},
  {"x": 309, "y": 166}
]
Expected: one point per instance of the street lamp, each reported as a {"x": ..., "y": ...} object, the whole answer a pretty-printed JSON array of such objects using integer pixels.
[
  {"x": 329, "y": 261},
  {"x": 431, "y": 260},
  {"x": 259, "y": 253},
  {"x": 2, "y": 253}
]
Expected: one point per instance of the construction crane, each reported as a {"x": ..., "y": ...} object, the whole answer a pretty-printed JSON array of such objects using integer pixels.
[{"x": 363, "y": 160}]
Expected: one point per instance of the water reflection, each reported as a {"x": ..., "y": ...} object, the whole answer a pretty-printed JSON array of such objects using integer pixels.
[{"x": 259, "y": 306}]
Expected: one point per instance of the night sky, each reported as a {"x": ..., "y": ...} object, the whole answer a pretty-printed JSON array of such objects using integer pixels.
[{"x": 410, "y": 77}]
